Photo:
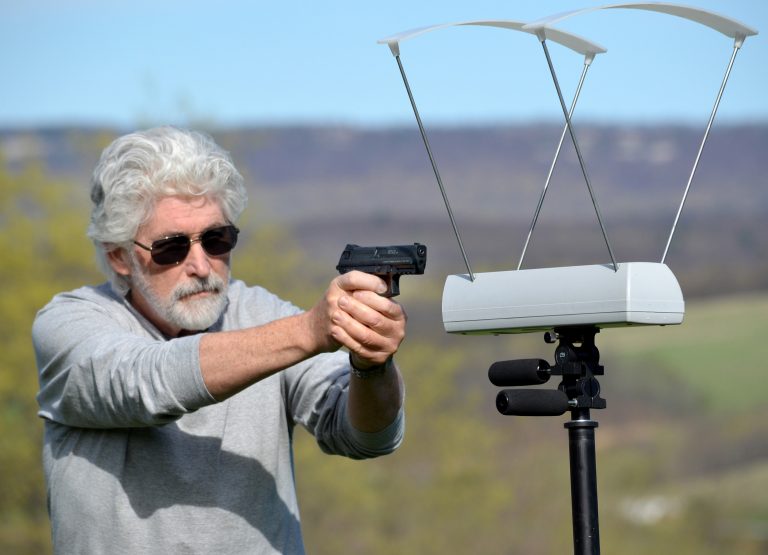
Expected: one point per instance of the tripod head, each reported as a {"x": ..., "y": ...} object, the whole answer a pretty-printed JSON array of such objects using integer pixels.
[{"x": 576, "y": 360}]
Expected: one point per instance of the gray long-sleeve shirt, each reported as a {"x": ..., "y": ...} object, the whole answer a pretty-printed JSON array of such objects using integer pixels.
[{"x": 138, "y": 456}]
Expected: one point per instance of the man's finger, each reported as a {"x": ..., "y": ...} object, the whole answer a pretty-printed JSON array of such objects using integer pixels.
[
  {"x": 356, "y": 280},
  {"x": 386, "y": 306}
]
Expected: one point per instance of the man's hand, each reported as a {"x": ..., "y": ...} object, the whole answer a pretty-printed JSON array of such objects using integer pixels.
[{"x": 353, "y": 314}]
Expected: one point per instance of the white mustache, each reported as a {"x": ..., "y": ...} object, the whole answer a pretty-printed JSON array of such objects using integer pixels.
[{"x": 211, "y": 284}]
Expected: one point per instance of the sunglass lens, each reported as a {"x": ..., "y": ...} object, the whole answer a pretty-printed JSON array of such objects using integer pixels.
[
  {"x": 220, "y": 240},
  {"x": 171, "y": 250}
]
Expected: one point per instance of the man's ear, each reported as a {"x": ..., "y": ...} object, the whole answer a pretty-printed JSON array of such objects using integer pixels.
[{"x": 118, "y": 260}]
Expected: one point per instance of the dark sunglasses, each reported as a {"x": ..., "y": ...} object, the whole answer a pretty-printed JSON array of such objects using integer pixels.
[{"x": 173, "y": 250}]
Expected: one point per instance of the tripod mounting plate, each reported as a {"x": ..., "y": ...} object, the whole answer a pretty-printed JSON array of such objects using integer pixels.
[{"x": 523, "y": 301}]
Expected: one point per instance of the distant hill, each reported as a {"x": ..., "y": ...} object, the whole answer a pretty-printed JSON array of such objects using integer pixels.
[
  {"x": 490, "y": 172},
  {"x": 332, "y": 185},
  {"x": 498, "y": 173}
]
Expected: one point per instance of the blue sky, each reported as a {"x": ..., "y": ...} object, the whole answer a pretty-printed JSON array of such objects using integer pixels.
[{"x": 235, "y": 62}]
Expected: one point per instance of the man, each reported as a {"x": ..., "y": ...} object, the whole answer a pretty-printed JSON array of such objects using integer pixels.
[{"x": 170, "y": 393}]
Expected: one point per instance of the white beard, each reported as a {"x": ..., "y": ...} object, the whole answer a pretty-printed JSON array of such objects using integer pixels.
[{"x": 187, "y": 314}]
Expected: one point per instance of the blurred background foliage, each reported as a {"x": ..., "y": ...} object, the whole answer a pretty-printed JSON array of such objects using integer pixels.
[{"x": 682, "y": 448}]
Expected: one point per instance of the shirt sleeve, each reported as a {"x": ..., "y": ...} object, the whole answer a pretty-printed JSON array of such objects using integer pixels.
[
  {"x": 316, "y": 395},
  {"x": 96, "y": 370}
]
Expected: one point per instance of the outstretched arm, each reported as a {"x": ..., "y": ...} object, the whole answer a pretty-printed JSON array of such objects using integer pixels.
[{"x": 351, "y": 314}]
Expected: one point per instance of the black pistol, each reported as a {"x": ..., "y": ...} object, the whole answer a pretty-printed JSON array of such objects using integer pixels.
[{"x": 389, "y": 263}]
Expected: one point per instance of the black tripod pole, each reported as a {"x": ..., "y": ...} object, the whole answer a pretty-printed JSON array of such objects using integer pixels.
[
  {"x": 577, "y": 360},
  {"x": 581, "y": 442}
]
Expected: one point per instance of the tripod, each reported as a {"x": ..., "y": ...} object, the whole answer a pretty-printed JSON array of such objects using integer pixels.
[{"x": 577, "y": 361}]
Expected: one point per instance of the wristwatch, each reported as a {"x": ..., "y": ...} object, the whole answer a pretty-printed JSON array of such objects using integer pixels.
[{"x": 365, "y": 373}]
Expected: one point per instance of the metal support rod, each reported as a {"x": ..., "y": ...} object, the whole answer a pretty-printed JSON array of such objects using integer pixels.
[
  {"x": 701, "y": 148},
  {"x": 554, "y": 162},
  {"x": 581, "y": 441},
  {"x": 578, "y": 153},
  {"x": 434, "y": 167}
]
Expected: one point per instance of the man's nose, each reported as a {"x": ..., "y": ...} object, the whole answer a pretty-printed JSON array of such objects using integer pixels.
[{"x": 197, "y": 262}]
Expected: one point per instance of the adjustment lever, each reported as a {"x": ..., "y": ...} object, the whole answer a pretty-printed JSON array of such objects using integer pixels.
[
  {"x": 528, "y": 371},
  {"x": 532, "y": 402}
]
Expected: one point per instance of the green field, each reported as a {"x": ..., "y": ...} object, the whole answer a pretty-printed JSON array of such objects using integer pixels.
[{"x": 716, "y": 352}]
